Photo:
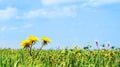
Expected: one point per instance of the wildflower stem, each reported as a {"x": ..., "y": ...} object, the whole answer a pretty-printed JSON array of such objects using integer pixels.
[
  {"x": 39, "y": 51},
  {"x": 30, "y": 51}
]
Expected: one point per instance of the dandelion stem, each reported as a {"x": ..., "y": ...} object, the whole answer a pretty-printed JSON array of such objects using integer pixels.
[
  {"x": 39, "y": 51},
  {"x": 30, "y": 51}
]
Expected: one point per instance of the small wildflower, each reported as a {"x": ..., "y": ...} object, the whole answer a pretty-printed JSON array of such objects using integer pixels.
[
  {"x": 63, "y": 51},
  {"x": 45, "y": 40},
  {"x": 26, "y": 43},
  {"x": 78, "y": 54},
  {"x": 96, "y": 43},
  {"x": 94, "y": 52},
  {"x": 108, "y": 44},
  {"x": 33, "y": 38},
  {"x": 107, "y": 55}
]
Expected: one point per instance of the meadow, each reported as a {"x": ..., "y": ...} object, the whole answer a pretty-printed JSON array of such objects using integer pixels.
[
  {"x": 60, "y": 58},
  {"x": 28, "y": 56}
]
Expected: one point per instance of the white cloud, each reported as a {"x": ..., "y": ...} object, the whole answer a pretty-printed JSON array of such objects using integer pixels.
[
  {"x": 6, "y": 28},
  {"x": 92, "y": 3},
  {"x": 8, "y": 13},
  {"x": 55, "y": 2},
  {"x": 15, "y": 28},
  {"x": 95, "y": 3},
  {"x": 54, "y": 12}
]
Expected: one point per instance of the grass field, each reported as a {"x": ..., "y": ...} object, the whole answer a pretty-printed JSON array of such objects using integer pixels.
[
  {"x": 75, "y": 57},
  {"x": 60, "y": 58}
]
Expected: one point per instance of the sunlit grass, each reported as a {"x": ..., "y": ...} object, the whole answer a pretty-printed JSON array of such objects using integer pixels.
[
  {"x": 103, "y": 56},
  {"x": 60, "y": 58}
]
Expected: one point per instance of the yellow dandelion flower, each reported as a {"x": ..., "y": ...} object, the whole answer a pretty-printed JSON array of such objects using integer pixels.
[
  {"x": 108, "y": 55},
  {"x": 33, "y": 38},
  {"x": 45, "y": 40},
  {"x": 63, "y": 51},
  {"x": 94, "y": 52},
  {"x": 78, "y": 54},
  {"x": 26, "y": 43}
]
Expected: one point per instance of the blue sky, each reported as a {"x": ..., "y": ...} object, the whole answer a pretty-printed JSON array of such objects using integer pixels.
[{"x": 66, "y": 22}]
